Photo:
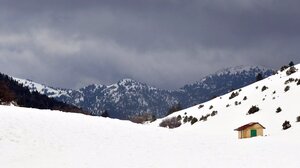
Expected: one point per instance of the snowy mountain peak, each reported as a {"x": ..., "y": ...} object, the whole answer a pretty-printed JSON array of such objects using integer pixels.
[
  {"x": 242, "y": 70},
  {"x": 130, "y": 84},
  {"x": 43, "y": 89},
  {"x": 127, "y": 80},
  {"x": 93, "y": 87}
]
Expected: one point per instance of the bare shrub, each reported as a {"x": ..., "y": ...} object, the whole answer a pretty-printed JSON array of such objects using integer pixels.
[
  {"x": 140, "y": 119},
  {"x": 286, "y": 125},
  {"x": 170, "y": 123},
  {"x": 200, "y": 106},
  {"x": 185, "y": 119},
  {"x": 264, "y": 88},
  {"x": 289, "y": 80},
  {"x": 201, "y": 118},
  {"x": 204, "y": 118},
  {"x": 298, "y": 119},
  {"x": 287, "y": 88},
  {"x": 284, "y": 68},
  {"x": 253, "y": 110},
  {"x": 214, "y": 113},
  {"x": 278, "y": 110},
  {"x": 179, "y": 117},
  {"x": 190, "y": 118},
  {"x": 233, "y": 95},
  {"x": 291, "y": 70},
  {"x": 194, "y": 120}
]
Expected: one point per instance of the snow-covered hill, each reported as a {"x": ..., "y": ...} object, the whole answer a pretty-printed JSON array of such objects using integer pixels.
[
  {"x": 130, "y": 98},
  {"x": 31, "y": 138},
  {"x": 277, "y": 98},
  {"x": 221, "y": 82},
  {"x": 43, "y": 89}
]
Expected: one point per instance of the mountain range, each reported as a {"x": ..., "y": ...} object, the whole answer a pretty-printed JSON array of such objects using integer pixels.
[{"x": 128, "y": 97}]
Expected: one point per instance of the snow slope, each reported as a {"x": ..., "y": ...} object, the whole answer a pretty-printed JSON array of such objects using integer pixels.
[
  {"x": 232, "y": 113},
  {"x": 31, "y": 138}
]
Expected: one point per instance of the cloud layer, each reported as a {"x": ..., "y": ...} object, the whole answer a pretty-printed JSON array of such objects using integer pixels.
[{"x": 166, "y": 43}]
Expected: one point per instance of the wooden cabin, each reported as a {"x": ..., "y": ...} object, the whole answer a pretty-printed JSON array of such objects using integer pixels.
[{"x": 250, "y": 130}]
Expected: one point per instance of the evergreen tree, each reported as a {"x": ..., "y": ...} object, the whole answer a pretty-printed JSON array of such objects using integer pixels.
[
  {"x": 174, "y": 108},
  {"x": 259, "y": 77},
  {"x": 12, "y": 91},
  {"x": 105, "y": 114},
  {"x": 291, "y": 63}
]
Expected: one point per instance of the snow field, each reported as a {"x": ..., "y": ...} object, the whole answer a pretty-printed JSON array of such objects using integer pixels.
[{"x": 31, "y": 138}]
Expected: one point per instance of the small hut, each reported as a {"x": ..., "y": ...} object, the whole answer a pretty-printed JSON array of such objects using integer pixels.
[{"x": 249, "y": 130}]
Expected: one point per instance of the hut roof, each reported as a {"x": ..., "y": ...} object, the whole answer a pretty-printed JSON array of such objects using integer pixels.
[{"x": 248, "y": 125}]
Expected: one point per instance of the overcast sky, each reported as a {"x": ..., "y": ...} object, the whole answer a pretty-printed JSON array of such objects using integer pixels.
[{"x": 165, "y": 43}]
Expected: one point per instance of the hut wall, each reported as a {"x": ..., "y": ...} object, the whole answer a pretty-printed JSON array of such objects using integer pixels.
[{"x": 246, "y": 133}]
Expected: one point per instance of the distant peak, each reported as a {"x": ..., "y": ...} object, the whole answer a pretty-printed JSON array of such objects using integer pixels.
[
  {"x": 94, "y": 86},
  {"x": 127, "y": 80},
  {"x": 239, "y": 69},
  {"x": 236, "y": 70},
  {"x": 99, "y": 85}
]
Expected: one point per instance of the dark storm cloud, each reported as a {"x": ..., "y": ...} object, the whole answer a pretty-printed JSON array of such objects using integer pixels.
[{"x": 167, "y": 43}]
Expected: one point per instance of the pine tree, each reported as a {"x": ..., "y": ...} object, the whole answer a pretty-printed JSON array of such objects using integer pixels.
[
  {"x": 291, "y": 63},
  {"x": 259, "y": 77},
  {"x": 174, "y": 108},
  {"x": 105, "y": 114}
]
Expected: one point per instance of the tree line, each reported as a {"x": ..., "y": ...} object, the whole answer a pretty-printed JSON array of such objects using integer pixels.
[{"x": 12, "y": 91}]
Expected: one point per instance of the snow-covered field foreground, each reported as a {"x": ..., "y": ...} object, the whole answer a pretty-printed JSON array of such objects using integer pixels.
[{"x": 31, "y": 138}]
